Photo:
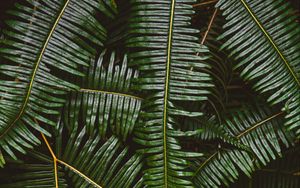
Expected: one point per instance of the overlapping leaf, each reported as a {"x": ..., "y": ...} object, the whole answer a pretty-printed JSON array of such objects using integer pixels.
[
  {"x": 221, "y": 66},
  {"x": 82, "y": 154},
  {"x": 46, "y": 39},
  {"x": 264, "y": 36},
  {"x": 108, "y": 164},
  {"x": 163, "y": 48},
  {"x": 83, "y": 160},
  {"x": 48, "y": 47},
  {"x": 256, "y": 127},
  {"x": 211, "y": 131},
  {"x": 104, "y": 100},
  {"x": 283, "y": 172}
]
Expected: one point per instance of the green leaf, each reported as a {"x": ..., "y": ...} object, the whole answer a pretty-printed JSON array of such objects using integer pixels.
[
  {"x": 76, "y": 158},
  {"x": 46, "y": 39},
  {"x": 163, "y": 47},
  {"x": 268, "y": 51},
  {"x": 212, "y": 131},
  {"x": 280, "y": 173},
  {"x": 104, "y": 101},
  {"x": 256, "y": 127}
]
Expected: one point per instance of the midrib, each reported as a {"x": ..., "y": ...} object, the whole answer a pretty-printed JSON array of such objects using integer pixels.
[
  {"x": 271, "y": 41},
  {"x": 166, "y": 93},
  {"x": 109, "y": 93},
  {"x": 252, "y": 127},
  {"x": 28, "y": 92}
]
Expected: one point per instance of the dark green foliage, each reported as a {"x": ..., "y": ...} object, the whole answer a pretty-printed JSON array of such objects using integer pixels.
[
  {"x": 104, "y": 98},
  {"x": 105, "y": 163},
  {"x": 283, "y": 172},
  {"x": 266, "y": 43},
  {"x": 170, "y": 73},
  {"x": 150, "y": 93},
  {"x": 258, "y": 129},
  {"x": 46, "y": 38}
]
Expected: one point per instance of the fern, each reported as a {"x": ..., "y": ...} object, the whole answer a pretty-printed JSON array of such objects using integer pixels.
[
  {"x": 48, "y": 36},
  {"x": 170, "y": 71},
  {"x": 149, "y": 93},
  {"x": 268, "y": 51}
]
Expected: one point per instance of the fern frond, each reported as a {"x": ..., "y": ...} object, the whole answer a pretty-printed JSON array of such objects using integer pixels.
[
  {"x": 77, "y": 158},
  {"x": 163, "y": 48},
  {"x": 264, "y": 37},
  {"x": 211, "y": 131},
  {"x": 104, "y": 100},
  {"x": 258, "y": 129},
  {"x": 283, "y": 172},
  {"x": 46, "y": 39}
]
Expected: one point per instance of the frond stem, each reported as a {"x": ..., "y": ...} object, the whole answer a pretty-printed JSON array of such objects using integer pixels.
[
  {"x": 258, "y": 124},
  {"x": 29, "y": 90},
  {"x": 79, "y": 173},
  {"x": 238, "y": 136},
  {"x": 271, "y": 41},
  {"x": 55, "y": 160},
  {"x": 296, "y": 173},
  {"x": 205, "y": 162},
  {"x": 280, "y": 171},
  {"x": 204, "y": 3},
  {"x": 209, "y": 26},
  {"x": 166, "y": 92},
  {"x": 109, "y": 92}
]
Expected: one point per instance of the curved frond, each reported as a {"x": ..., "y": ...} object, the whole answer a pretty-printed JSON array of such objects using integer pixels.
[
  {"x": 92, "y": 164},
  {"x": 283, "y": 172},
  {"x": 222, "y": 167},
  {"x": 257, "y": 128},
  {"x": 163, "y": 48},
  {"x": 84, "y": 162},
  {"x": 150, "y": 93},
  {"x": 47, "y": 38},
  {"x": 261, "y": 129},
  {"x": 211, "y": 131},
  {"x": 104, "y": 100},
  {"x": 264, "y": 36}
]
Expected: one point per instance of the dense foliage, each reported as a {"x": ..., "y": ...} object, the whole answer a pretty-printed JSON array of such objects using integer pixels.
[{"x": 150, "y": 93}]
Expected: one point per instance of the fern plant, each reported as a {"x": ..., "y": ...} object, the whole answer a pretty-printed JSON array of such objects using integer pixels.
[{"x": 140, "y": 93}]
